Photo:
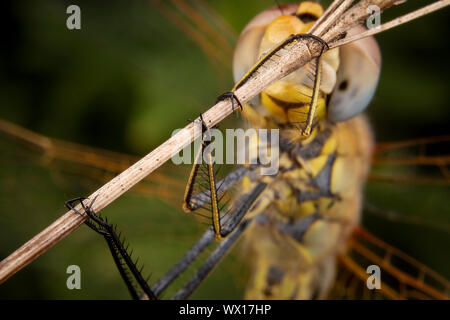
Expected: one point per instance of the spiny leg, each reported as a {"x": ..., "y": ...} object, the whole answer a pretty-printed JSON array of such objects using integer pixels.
[
  {"x": 264, "y": 60},
  {"x": 306, "y": 131},
  {"x": 206, "y": 239},
  {"x": 117, "y": 248},
  {"x": 316, "y": 88},
  {"x": 198, "y": 200},
  {"x": 112, "y": 247},
  {"x": 210, "y": 263},
  {"x": 181, "y": 266},
  {"x": 189, "y": 202},
  {"x": 244, "y": 203}
]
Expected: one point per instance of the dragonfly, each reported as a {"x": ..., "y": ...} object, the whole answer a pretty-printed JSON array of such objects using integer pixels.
[{"x": 101, "y": 165}]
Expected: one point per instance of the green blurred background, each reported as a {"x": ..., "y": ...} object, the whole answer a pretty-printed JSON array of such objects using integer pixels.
[{"x": 126, "y": 80}]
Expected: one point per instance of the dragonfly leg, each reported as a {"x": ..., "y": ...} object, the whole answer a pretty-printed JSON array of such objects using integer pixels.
[
  {"x": 230, "y": 95},
  {"x": 203, "y": 123},
  {"x": 70, "y": 204},
  {"x": 210, "y": 263},
  {"x": 234, "y": 223},
  {"x": 181, "y": 266},
  {"x": 213, "y": 192},
  {"x": 122, "y": 258},
  {"x": 208, "y": 173},
  {"x": 269, "y": 56}
]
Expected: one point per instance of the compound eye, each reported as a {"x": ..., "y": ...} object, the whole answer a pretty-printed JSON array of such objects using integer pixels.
[
  {"x": 357, "y": 78},
  {"x": 247, "y": 48}
]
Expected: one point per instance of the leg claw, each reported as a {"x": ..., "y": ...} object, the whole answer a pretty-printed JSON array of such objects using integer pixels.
[{"x": 230, "y": 95}]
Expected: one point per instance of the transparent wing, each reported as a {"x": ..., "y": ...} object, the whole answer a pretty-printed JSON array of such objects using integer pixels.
[
  {"x": 98, "y": 164},
  {"x": 419, "y": 161},
  {"x": 402, "y": 277}
]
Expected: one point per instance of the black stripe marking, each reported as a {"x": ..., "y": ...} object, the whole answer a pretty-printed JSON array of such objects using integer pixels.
[
  {"x": 306, "y": 17},
  {"x": 287, "y": 105}
]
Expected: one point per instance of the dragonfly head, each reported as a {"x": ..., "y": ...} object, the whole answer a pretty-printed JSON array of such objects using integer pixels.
[{"x": 288, "y": 100}]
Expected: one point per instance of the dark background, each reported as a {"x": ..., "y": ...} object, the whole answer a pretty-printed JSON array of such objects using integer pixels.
[{"x": 127, "y": 79}]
